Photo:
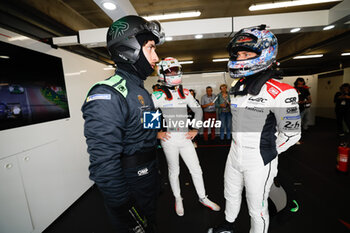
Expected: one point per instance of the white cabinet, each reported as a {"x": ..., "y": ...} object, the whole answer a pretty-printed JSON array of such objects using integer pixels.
[
  {"x": 14, "y": 212},
  {"x": 38, "y": 185},
  {"x": 42, "y": 174}
]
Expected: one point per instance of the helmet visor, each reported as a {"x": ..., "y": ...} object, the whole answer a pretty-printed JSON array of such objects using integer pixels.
[
  {"x": 244, "y": 42},
  {"x": 173, "y": 71},
  {"x": 156, "y": 29}
]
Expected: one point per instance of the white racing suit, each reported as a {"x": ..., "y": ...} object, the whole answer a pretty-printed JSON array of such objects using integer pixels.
[
  {"x": 263, "y": 126},
  {"x": 174, "y": 111}
]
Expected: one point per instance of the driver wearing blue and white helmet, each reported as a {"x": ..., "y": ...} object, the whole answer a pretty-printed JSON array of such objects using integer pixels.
[{"x": 265, "y": 123}]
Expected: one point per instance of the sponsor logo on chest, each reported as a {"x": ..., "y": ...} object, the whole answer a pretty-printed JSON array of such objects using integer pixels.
[
  {"x": 291, "y": 100},
  {"x": 273, "y": 92},
  {"x": 257, "y": 100}
]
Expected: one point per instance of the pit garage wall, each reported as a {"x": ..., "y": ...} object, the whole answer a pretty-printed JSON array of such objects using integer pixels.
[
  {"x": 44, "y": 167},
  {"x": 199, "y": 82},
  {"x": 327, "y": 87}
]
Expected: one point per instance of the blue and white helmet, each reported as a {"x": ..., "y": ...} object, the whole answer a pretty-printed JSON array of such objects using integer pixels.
[{"x": 255, "y": 39}]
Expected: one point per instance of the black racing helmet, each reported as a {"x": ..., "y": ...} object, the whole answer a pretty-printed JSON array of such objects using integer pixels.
[{"x": 122, "y": 43}]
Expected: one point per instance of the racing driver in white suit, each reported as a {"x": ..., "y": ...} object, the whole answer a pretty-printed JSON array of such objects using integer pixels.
[
  {"x": 173, "y": 100},
  {"x": 265, "y": 122}
]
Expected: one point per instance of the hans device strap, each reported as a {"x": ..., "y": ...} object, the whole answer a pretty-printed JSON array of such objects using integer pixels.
[
  {"x": 181, "y": 92},
  {"x": 168, "y": 94},
  {"x": 166, "y": 91}
]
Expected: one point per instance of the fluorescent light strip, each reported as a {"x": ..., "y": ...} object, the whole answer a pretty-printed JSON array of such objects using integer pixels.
[
  {"x": 15, "y": 38},
  {"x": 345, "y": 54},
  {"x": 4, "y": 57},
  {"x": 72, "y": 74},
  {"x": 185, "y": 62},
  {"x": 199, "y": 36},
  {"x": 295, "y": 30},
  {"x": 308, "y": 56},
  {"x": 75, "y": 73},
  {"x": 168, "y": 38},
  {"x": 221, "y": 59},
  {"x": 173, "y": 15},
  {"x": 328, "y": 27},
  {"x": 274, "y": 5},
  {"x": 109, "y": 67}
]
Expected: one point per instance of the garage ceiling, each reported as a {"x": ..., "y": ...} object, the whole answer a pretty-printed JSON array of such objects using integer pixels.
[{"x": 43, "y": 20}]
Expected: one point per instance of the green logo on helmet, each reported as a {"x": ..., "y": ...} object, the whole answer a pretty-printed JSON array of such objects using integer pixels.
[{"x": 118, "y": 28}]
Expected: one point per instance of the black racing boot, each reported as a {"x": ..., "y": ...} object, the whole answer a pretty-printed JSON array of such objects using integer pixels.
[{"x": 225, "y": 227}]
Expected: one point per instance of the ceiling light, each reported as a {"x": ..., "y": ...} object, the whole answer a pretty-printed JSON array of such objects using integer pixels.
[
  {"x": 200, "y": 36},
  {"x": 295, "y": 30},
  {"x": 274, "y": 5},
  {"x": 109, "y": 6},
  {"x": 72, "y": 74},
  {"x": 328, "y": 27},
  {"x": 75, "y": 73},
  {"x": 308, "y": 56},
  {"x": 178, "y": 15},
  {"x": 220, "y": 59},
  {"x": 345, "y": 54},
  {"x": 4, "y": 57},
  {"x": 185, "y": 62},
  {"x": 168, "y": 38},
  {"x": 15, "y": 38}
]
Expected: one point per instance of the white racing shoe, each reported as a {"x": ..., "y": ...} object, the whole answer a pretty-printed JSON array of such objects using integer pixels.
[
  {"x": 208, "y": 203},
  {"x": 179, "y": 208}
]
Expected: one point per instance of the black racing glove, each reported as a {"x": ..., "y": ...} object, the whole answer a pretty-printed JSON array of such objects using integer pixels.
[{"x": 132, "y": 215}]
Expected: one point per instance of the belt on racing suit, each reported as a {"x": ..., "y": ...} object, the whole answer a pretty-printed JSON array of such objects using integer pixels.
[{"x": 139, "y": 158}]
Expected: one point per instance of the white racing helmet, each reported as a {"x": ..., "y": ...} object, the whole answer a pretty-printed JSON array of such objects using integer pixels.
[{"x": 169, "y": 71}]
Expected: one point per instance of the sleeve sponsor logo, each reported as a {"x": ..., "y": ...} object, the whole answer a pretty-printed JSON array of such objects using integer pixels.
[
  {"x": 292, "y": 110},
  {"x": 291, "y": 100},
  {"x": 98, "y": 97},
  {"x": 291, "y": 118}
]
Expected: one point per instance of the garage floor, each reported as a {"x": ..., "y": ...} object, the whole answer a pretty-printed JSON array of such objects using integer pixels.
[{"x": 323, "y": 193}]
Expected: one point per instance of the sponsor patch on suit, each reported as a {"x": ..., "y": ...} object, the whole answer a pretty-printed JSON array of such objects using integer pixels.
[{"x": 98, "y": 97}]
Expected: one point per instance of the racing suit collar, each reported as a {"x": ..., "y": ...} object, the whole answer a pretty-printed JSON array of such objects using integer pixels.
[
  {"x": 253, "y": 84},
  {"x": 130, "y": 76}
]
